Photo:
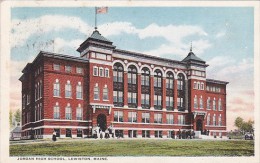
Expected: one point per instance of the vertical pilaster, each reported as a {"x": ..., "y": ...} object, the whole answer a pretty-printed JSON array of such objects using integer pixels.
[
  {"x": 152, "y": 92},
  {"x": 164, "y": 93},
  {"x": 125, "y": 90},
  {"x": 139, "y": 92},
  {"x": 186, "y": 96},
  {"x": 175, "y": 94}
]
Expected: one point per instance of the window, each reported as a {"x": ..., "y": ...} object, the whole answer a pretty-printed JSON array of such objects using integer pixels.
[
  {"x": 214, "y": 104},
  {"x": 79, "y": 132},
  {"x": 208, "y": 103},
  {"x": 169, "y": 119},
  {"x": 132, "y": 99},
  {"x": 40, "y": 89},
  {"x": 145, "y": 117},
  {"x": 158, "y": 102},
  {"x": 180, "y": 82},
  {"x": 158, "y": 134},
  {"x": 79, "y": 70},
  {"x": 195, "y": 102},
  {"x": 195, "y": 85},
  {"x": 169, "y": 80},
  {"x": 202, "y": 86},
  {"x": 106, "y": 72},
  {"x": 132, "y": 117},
  {"x": 181, "y": 119},
  {"x": 35, "y": 92},
  {"x": 105, "y": 94},
  {"x": 118, "y": 116},
  {"x": 95, "y": 71},
  {"x": 208, "y": 119},
  {"x": 56, "y": 112},
  {"x": 145, "y": 101},
  {"x": 68, "y": 92},
  {"x": 68, "y": 132},
  {"x": 56, "y": 88},
  {"x": 56, "y": 67},
  {"x": 180, "y": 102},
  {"x": 219, "y": 104},
  {"x": 145, "y": 133},
  {"x": 132, "y": 74},
  {"x": 198, "y": 84},
  {"x": 79, "y": 113},
  {"x": 219, "y": 120},
  {"x": 169, "y": 103},
  {"x": 68, "y": 112},
  {"x": 79, "y": 94},
  {"x": 157, "y": 118},
  {"x": 118, "y": 73},
  {"x": 118, "y": 98},
  {"x": 132, "y": 133},
  {"x": 145, "y": 77},
  {"x": 214, "y": 120},
  {"x": 68, "y": 68},
  {"x": 201, "y": 102},
  {"x": 158, "y": 78},
  {"x": 101, "y": 72},
  {"x": 96, "y": 93}
]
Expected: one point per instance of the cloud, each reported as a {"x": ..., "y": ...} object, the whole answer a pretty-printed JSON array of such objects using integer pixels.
[
  {"x": 60, "y": 43},
  {"x": 220, "y": 34},
  {"x": 23, "y": 29}
]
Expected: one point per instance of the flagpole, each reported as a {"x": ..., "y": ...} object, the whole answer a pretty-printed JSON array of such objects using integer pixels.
[{"x": 95, "y": 18}]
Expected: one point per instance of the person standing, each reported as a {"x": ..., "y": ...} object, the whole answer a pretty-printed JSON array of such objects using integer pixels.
[
  {"x": 54, "y": 136},
  {"x": 106, "y": 134}
]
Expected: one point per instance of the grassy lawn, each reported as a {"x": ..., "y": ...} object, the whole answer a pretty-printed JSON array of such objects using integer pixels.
[{"x": 147, "y": 147}]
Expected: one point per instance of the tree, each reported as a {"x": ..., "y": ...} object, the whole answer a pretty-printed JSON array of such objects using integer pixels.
[
  {"x": 239, "y": 122},
  {"x": 247, "y": 126},
  {"x": 17, "y": 116}
]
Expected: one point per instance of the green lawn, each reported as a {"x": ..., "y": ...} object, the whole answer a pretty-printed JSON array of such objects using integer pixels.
[{"x": 146, "y": 147}]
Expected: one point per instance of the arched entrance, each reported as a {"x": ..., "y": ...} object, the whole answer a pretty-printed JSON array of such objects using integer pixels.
[
  {"x": 199, "y": 125},
  {"x": 102, "y": 121}
]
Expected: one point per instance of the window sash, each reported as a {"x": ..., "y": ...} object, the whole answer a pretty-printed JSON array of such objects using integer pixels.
[
  {"x": 56, "y": 112},
  {"x": 79, "y": 113}
]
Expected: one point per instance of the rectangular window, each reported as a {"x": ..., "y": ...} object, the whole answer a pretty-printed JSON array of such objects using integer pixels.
[
  {"x": 118, "y": 116},
  {"x": 68, "y": 91},
  {"x": 101, "y": 56},
  {"x": 56, "y": 89},
  {"x": 145, "y": 133},
  {"x": 180, "y": 84},
  {"x": 158, "y": 101},
  {"x": 79, "y": 114},
  {"x": 131, "y": 98},
  {"x": 145, "y": 99},
  {"x": 96, "y": 93},
  {"x": 169, "y": 118},
  {"x": 68, "y": 113},
  {"x": 181, "y": 119},
  {"x": 169, "y": 101},
  {"x": 79, "y": 133},
  {"x": 180, "y": 101},
  {"x": 56, "y": 67},
  {"x": 106, "y": 72},
  {"x": 79, "y": 70},
  {"x": 208, "y": 104},
  {"x": 158, "y": 134},
  {"x": 132, "y": 117},
  {"x": 56, "y": 112},
  {"x": 95, "y": 71},
  {"x": 101, "y": 72},
  {"x": 68, "y": 132},
  {"x": 145, "y": 117},
  {"x": 68, "y": 69},
  {"x": 157, "y": 118}
]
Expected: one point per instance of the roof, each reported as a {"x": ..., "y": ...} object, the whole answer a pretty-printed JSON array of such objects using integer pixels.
[
  {"x": 192, "y": 57},
  {"x": 17, "y": 129},
  {"x": 216, "y": 81},
  {"x": 97, "y": 36}
]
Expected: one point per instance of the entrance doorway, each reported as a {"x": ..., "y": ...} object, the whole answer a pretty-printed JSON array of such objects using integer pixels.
[
  {"x": 199, "y": 125},
  {"x": 102, "y": 121}
]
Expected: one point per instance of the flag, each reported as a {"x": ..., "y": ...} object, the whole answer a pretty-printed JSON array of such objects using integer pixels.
[{"x": 101, "y": 10}]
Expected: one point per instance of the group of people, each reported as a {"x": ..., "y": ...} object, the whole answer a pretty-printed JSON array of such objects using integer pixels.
[
  {"x": 185, "y": 134},
  {"x": 99, "y": 133}
]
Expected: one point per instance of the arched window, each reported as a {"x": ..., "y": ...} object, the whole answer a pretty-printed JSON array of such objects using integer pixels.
[
  {"x": 68, "y": 113},
  {"x": 68, "y": 91},
  {"x": 181, "y": 92},
  {"x": 214, "y": 120},
  {"x": 208, "y": 103},
  {"x": 105, "y": 93},
  {"x": 169, "y": 91},
  {"x": 219, "y": 104},
  {"x": 79, "y": 112},
  {"x": 145, "y": 90},
  {"x": 145, "y": 79},
  {"x": 208, "y": 119},
  {"x": 219, "y": 120},
  {"x": 96, "y": 93},
  {"x": 118, "y": 72},
  {"x": 214, "y": 104},
  {"x": 201, "y": 102},
  {"x": 195, "y": 102},
  {"x": 79, "y": 93},
  {"x": 56, "y": 88},
  {"x": 132, "y": 86},
  {"x": 56, "y": 111},
  {"x": 157, "y": 89}
]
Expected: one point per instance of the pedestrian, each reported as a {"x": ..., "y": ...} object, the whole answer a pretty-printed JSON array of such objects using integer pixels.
[
  {"x": 54, "y": 136},
  {"x": 106, "y": 134}
]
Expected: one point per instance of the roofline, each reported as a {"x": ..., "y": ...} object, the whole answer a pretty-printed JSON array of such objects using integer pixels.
[
  {"x": 216, "y": 81},
  {"x": 149, "y": 56}
]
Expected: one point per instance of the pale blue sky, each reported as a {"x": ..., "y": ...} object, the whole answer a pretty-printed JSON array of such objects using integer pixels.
[{"x": 222, "y": 36}]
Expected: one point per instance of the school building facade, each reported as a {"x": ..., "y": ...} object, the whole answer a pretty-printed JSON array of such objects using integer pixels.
[{"x": 138, "y": 94}]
